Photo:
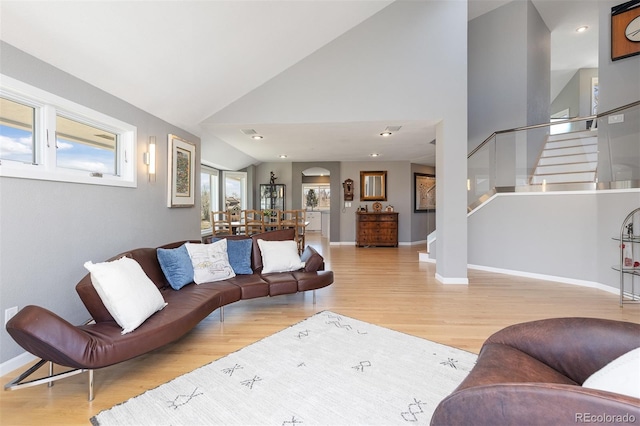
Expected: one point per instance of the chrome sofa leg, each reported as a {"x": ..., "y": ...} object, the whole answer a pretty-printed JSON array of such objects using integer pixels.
[
  {"x": 19, "y": 382},
  {"x": 50, "y": 384},
  {"x": 314, "y": 298},
  {"x": 222, "y": 314},
  {"x": 90, "y": 385}
]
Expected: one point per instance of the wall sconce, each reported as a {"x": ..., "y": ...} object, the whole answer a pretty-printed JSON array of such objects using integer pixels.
[{"x": 150, "y": 158}]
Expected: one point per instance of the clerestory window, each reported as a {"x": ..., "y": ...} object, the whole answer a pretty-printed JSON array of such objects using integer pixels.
[{"x": 43, "y": 136}]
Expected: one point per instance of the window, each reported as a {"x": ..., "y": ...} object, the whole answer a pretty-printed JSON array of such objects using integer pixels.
[
  {"x": 43, "y": 136},
  {"x": 321, "y": 195},
  {"x": 235, "y": 190},
  {"x": 16, "y": 132},
  {"x": 83, "y": 147},
  {"x": 209, "y": 196}
]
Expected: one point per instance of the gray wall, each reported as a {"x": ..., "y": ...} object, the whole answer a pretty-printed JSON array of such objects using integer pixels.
[
  {"x": 509, "y": 74},
  {"x": 335, "y": 184},
  {"x": 619, "y": 82},
  {"x": 574, "y": 242},
  {"x": 569, "y": 97},
  {"x": 538, "y": 83},
  {"x": 619, "y": 85},
  {"x": 576, "y": 94},
  {"x": 568, "y": 235},
  {"x": 49, "y": 229},
  {"x": 398, "y": 195},
  {"x": 412, "y": 226}
]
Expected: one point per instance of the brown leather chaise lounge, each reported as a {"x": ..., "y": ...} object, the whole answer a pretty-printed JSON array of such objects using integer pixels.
[
  {"x": 100, "y": 343},
  {"x": 532, "y": 374}
]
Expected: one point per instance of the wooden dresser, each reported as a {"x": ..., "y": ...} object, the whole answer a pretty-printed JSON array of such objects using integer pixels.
[{"x": 377, "y": 229}]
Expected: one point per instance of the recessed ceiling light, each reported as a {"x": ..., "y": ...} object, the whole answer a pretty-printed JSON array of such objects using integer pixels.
[
  {"x": 375, "y": 154},
  {"x": 385, "y": 134},
  {"x": 282, "y": 156},
  {"x": 582, "y": 29},
  {"x": 256, "y": 137}
]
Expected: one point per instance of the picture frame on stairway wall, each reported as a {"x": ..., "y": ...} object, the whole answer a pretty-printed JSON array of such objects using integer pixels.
[{"x": 181, "y": 172}]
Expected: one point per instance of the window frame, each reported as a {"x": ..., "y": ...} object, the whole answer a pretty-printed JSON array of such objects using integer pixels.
[
  {"x": 47, "y": 107},
  {"x": 214, "y": 183},
  {"x": 242, "y": 177}
]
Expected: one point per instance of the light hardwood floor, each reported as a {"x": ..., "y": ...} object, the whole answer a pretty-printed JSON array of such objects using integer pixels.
[{"x": 384, "y": 286}]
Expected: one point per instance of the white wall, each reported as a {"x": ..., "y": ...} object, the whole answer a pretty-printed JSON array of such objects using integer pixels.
[
  {"x": 392, "y": 66},
  {"x": 49, "y": 229}
]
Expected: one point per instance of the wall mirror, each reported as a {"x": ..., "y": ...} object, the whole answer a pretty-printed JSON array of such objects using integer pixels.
[{"x": 373, "y": 186}]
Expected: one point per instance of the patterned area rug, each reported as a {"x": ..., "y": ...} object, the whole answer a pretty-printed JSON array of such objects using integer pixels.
[{"x": 326, "y": 370}]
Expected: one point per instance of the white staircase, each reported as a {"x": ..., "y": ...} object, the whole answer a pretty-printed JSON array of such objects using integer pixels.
[{"x": 568, "y": 158}]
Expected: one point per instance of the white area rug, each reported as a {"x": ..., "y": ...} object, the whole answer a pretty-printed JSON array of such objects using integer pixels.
[{"x": 326, "y": 370}]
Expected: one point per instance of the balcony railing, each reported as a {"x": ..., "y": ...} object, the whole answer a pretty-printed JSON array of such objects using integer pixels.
[{"x": 584, "y": 153}]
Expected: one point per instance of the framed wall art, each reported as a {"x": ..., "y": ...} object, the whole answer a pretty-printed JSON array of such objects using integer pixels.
[
  {"x": 625, "y": 30},
  {"x": 181, "y": 172},
  {"x": 424, "y": 187}
]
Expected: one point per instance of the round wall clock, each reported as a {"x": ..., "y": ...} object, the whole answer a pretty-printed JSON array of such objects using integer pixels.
[
  {"x": 625, "y": 30},
  {"x": 632, "y": 32}
]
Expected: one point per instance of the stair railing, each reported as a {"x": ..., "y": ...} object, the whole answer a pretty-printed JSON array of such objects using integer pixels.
[{"x": 505, "y": 161}]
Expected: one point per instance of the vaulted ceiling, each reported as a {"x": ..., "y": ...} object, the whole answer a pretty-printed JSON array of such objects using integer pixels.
[{"x": 184, "y": 61}]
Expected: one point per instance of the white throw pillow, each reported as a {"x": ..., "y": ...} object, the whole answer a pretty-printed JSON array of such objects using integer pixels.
[
  {"x": 210, "y": 262},
  {"x": 126, "y": 291},
  {"x": 622, "y": 375},
  {"x": 280, "y": 256}
]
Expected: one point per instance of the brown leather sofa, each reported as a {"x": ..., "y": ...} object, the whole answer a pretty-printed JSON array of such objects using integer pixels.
[
  {"x": 100, "y": 343},
  {"x": 531, "y": 373}
]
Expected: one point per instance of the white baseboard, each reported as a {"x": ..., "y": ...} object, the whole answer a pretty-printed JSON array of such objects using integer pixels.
[
  {"x": 424, "y": 257},
  {"x": 452, "y": 281},
  {"x": 353, "y": 243},
  {"x": 16, "y": 362},
  {"x": 563, "y": 280},
  {"x": 413, "y": 243}
]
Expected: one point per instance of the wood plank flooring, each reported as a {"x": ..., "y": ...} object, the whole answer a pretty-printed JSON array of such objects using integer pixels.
[{"x": 384, "y": 286}]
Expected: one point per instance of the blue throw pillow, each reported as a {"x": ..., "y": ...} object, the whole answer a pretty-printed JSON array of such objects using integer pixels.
[
  {"x": 176, "y": 265},
  {"x": 239, "y": 252}
]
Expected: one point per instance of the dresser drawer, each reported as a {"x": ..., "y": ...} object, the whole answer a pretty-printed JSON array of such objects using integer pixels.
[{"x": 377, "y": 229}]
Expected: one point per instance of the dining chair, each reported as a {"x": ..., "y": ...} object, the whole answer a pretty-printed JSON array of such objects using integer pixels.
[
  {"x": 251, "y": 222},
  {"x": 301, "y": 226},
  {"x": 288, "y": 219},
  {"x": 221, "y": 223}
]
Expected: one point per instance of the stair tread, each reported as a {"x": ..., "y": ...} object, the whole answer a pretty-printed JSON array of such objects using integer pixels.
[
  {"x": 573, "y": 172},
  {"x": 574, "y": 135},
  {"x": 571, "y": 146}
]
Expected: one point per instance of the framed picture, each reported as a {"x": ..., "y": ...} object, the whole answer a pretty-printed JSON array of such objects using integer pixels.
[
  {"x": 424, "y": 186},
  {"x": 625, "y": 30},
  {"x": 181, "y": 173}
]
